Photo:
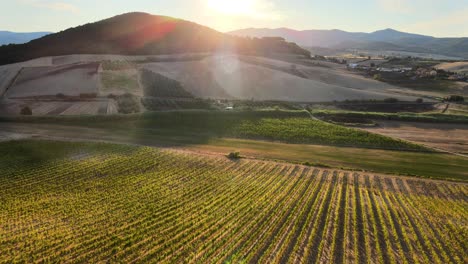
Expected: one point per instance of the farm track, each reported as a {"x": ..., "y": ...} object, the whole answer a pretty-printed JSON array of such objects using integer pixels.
[{"x": 139, "y": 205}]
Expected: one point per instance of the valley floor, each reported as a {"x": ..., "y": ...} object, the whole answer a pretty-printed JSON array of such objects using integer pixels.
[{"x": 424, "y": 164}]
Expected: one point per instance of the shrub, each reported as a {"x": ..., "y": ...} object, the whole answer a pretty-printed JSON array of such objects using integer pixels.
[
  {"x": 234, "y": 155},
  {"x": 26, "y": 111}
]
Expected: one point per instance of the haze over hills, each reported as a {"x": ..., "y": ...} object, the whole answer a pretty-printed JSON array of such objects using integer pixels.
[
  {"x": 382, "y": 40},
  {"x": 8, "y": 37},
  {"x": 140, "y": 34}
]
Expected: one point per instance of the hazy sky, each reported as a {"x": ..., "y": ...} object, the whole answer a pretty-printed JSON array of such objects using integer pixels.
[{"x": 442, "y": 18}]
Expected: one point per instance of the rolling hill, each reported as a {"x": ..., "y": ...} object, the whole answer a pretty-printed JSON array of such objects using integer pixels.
[
  {"x": 7, "y": 37},
  {"x": 141, "y": 34},
  {"x": 388, "y": 39}
]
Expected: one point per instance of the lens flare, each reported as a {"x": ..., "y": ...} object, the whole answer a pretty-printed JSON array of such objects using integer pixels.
[{"x": 232, "y": 7}]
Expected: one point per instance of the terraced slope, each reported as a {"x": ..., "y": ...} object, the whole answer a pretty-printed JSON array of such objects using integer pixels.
[{"x": 78, "y": 202}]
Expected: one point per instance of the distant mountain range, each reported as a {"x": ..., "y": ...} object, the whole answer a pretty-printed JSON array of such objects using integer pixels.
[
  {"x": 382, "y": 40},
  {"x": 7, "y": 37},
  {"x": 142, "y": 34}
]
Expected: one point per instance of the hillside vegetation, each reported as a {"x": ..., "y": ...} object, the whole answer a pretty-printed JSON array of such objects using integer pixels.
[
  {"x": 88, "y": 202},
  {"x": 141, "y": 34}
]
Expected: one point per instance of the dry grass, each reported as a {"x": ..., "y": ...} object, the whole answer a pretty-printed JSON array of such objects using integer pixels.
[{"x": 450, "y": 137}]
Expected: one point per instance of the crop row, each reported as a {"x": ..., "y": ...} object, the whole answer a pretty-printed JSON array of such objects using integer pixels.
[{"x": 96, "y": 203}]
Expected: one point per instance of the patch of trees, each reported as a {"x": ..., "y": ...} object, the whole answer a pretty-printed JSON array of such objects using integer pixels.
[
  {"x": 26, "y": 111},
  {"x": 234, "y": 155},
  {"x": 455, "y": 98},
  {"x": 157, "y": 85}
]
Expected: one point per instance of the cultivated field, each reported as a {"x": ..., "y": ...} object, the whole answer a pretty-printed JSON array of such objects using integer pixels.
[{"x": 86, "y": 202}]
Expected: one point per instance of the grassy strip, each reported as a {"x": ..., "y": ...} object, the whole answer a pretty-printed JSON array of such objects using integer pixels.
[{"x": 285, "y": 126}]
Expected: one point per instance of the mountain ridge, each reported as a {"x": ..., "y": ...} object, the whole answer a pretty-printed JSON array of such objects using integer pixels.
[
  {"x": 339, "y": 39},
  {"x": 11, "y": 37}
]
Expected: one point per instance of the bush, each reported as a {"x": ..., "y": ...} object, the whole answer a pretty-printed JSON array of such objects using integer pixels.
[
  {"x": 128, "y": 104},
  {"x": 234, "y": 155},
  {"x": 26, "y": 111},
  {"x": 419, "y": 101}
]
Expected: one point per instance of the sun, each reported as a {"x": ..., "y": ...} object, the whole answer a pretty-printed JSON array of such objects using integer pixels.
[{"x": 232, "y": 7}]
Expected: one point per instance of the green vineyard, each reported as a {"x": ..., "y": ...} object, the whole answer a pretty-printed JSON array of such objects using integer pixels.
[{"x": 96, "y": 202}]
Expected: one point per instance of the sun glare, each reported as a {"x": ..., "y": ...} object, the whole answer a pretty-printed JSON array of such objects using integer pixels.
[{"x": 232, "y": 7}]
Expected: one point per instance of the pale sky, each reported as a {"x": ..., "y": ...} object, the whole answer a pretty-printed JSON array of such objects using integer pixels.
[{"x": 440, "y": 18}]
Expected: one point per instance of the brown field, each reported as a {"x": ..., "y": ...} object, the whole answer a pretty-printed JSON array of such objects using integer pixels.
[
  {"x": 7, "y": 76},
  {"x": 460, "y": 67},
  {"x": 42, "y": 108},
  {"x": 266, "y": 79},
  {"x": 69, "y": 80},
  {"x": 448, "y": 137}
]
